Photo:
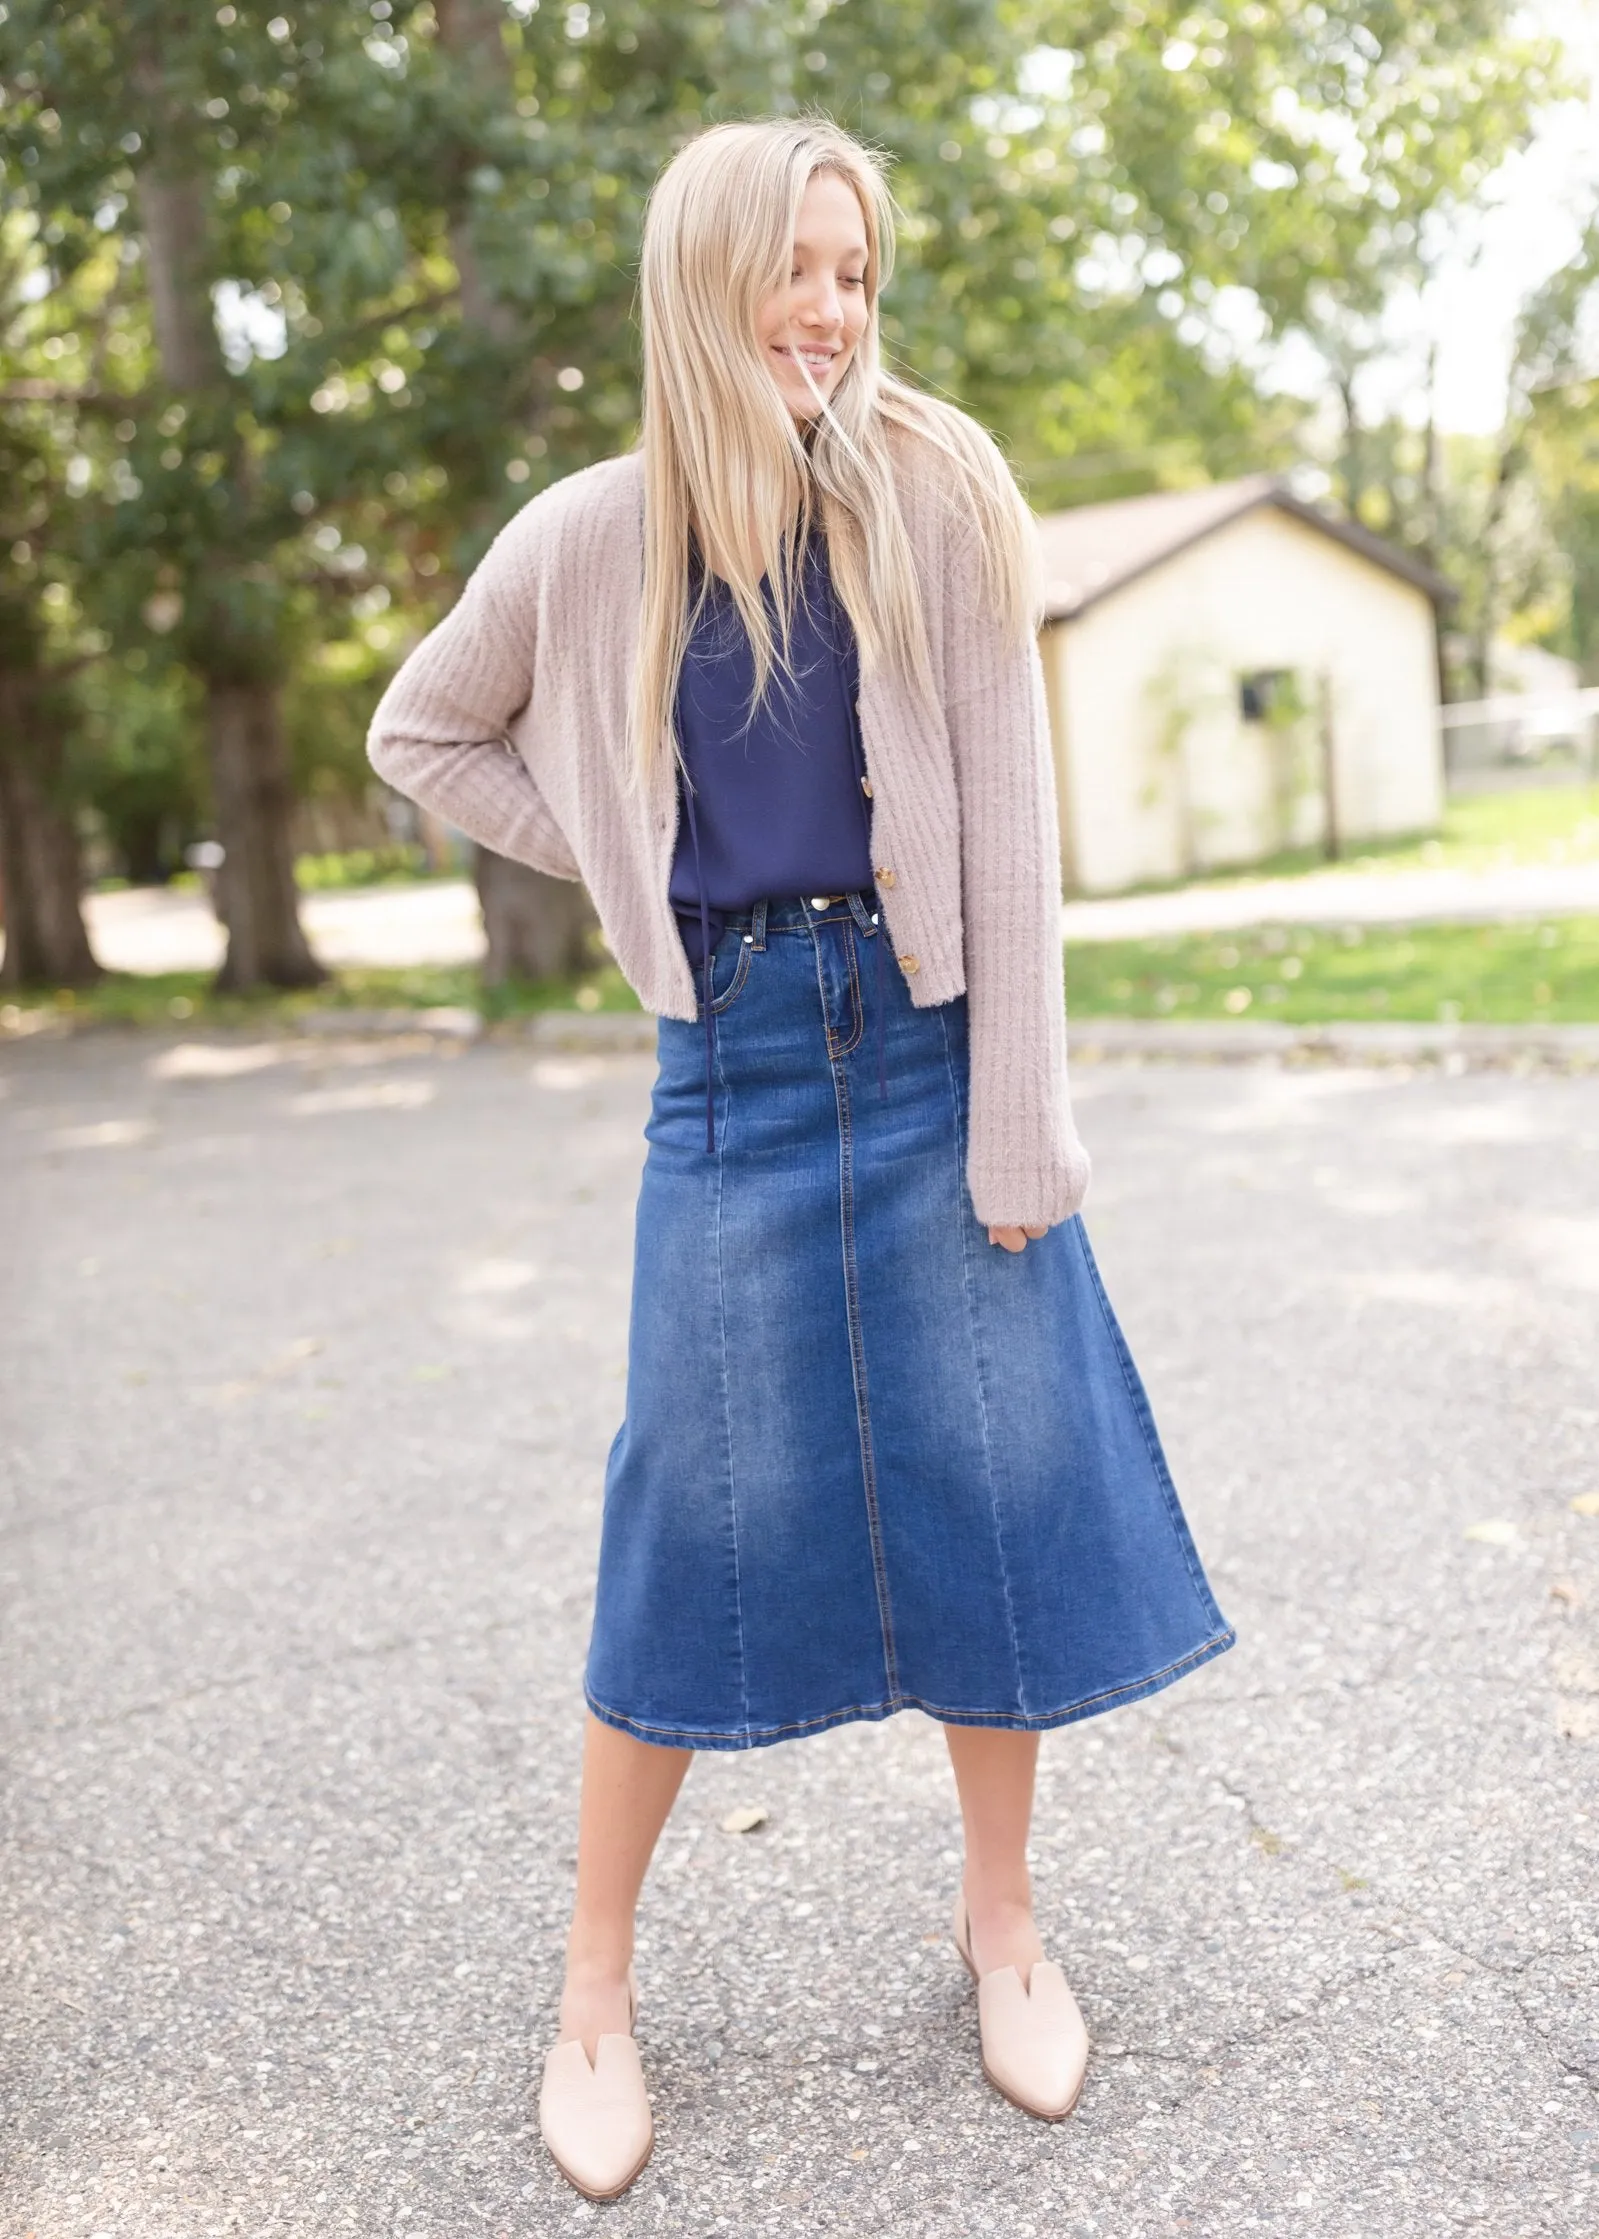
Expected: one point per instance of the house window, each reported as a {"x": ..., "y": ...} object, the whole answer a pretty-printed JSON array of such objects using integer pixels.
[{"x": 1262, "y": 692}]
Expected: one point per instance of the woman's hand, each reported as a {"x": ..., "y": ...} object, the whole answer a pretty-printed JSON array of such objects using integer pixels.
[{"x": 1014, "y": 1239}]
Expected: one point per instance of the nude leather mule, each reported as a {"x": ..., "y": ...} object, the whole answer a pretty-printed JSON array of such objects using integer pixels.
[
  {"x": 596, "y": 2119},
  {"x": 1035, "y": 2044}
]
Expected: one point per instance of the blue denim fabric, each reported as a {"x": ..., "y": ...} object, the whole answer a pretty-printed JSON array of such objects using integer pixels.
[{"x": 870, "y": 1462}]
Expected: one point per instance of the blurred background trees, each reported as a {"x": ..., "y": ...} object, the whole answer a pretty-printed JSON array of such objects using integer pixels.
[{"x": 298, "y": 302}]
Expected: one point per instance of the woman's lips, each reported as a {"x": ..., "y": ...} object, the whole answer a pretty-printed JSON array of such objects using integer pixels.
[{"x": 821, "y": 361}]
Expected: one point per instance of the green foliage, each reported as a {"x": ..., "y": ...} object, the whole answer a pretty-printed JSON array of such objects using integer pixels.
[
  {"x": 141, "y": 763},
  {"x": 415, "y": 229},
  {"x": 361, "y": 866},
  {"x": 1562, "y": 457}
]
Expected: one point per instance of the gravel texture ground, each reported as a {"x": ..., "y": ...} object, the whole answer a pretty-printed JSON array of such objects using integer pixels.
[{"x": 313, "y": 1353}]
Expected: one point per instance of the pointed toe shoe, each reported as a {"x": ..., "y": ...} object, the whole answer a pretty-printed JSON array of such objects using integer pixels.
[
  {"x": 595, "y": 2116},
  {"x": 1035, "y": 2043}
]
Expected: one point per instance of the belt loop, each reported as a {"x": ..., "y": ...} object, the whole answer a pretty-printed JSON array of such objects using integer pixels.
[
  {"x": 862, "y": 915},
  {"x": 758, "y": 928}
]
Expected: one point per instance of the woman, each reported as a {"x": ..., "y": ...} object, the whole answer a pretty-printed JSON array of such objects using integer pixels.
[{"x": 770, "y": 686}]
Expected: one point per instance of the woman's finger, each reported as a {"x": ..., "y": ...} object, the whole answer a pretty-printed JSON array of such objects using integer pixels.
[{"x": 1015, "y": 1239}]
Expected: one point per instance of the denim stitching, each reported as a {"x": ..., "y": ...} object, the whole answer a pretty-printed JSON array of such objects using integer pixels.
[
  {"x": 1146, "y": 1423},
  {"x": 741, "y": 972},
  {"x": 857, "y": 1007},
  {"x": 835, "y": 1047},
  {"x": 1087, "y": 1706},
  {"x": 977, "y": 1356},
  {"x": 857, "y": 1349},
  {"x": 722, "y": 1134}
]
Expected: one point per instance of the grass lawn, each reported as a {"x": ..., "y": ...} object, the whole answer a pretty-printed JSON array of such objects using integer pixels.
[
  {"x": 1305, "y": 975},
  {"x": 1480, "y": 831},
  {"x": 187, "y": 998},
  {"x": 1309, "y": 975}
]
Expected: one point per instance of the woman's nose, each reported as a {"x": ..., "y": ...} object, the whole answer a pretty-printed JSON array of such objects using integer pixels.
[{"x": 820, "y": 304}]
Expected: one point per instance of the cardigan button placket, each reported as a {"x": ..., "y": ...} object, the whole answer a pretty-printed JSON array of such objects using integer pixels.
[{"x": 574, "y": 557}]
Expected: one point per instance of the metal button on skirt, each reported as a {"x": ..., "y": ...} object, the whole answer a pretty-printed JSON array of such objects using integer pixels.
[{"x": 870, "y": 1461}]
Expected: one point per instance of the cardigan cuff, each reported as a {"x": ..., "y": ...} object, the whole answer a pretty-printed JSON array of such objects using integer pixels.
[{"x": 1017, "y": 1193}]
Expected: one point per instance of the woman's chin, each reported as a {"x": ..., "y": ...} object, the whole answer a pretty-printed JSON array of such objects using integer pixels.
[{"x": 804, "y": 407}]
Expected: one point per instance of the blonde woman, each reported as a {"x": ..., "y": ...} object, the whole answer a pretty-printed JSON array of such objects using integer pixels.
[{"x": 769, "y": 684}]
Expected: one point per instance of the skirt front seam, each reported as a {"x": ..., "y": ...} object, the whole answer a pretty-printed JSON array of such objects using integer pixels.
[
  {"x": 727, "y": 1400},
  {"x": 852, "y": 1308},
  {"x": 978, "y": 1364}
]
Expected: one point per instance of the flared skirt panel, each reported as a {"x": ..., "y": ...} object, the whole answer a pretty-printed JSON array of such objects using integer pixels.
[{"x": 870, "y": 1461}]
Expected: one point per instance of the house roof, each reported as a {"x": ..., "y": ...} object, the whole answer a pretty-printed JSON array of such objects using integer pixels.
[{"x": 1093, "y": 550}]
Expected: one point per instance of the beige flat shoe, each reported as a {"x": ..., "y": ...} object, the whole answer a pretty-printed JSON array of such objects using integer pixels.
[
  {"x": 1035, "y": 2043},
  {"x": 596, "y": 2119}
]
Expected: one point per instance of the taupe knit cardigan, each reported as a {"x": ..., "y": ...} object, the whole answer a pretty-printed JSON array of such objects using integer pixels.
[{"x": 509, "y": 720}]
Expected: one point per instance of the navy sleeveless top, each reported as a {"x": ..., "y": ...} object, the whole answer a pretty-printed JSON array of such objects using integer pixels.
[{"x": 779, "y": 807}]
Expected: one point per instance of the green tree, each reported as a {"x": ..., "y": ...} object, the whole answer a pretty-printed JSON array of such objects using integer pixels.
[
  {"x": 44, "y": 643},
  {"x": 371, "y": 274}
]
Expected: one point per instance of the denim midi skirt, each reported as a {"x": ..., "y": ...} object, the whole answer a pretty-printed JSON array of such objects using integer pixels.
[{"x": 870, "y": 1461}]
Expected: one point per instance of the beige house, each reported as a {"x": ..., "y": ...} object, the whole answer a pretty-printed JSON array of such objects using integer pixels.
[{"x": 1231, "y": 673}]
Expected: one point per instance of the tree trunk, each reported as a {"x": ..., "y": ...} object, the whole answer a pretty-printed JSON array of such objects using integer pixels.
[
  {"x": 538, "y": 928},
  {"x": 172, "y": 219},
  {"x": 1354, "y": 450},
  {"x": 41, "y": 865},
  {"x": 472, "y": 33},
  {"x": 1487, "y": 616},
  {"x": 256, "y": 896},
  {"x": 250, "y": 780}
]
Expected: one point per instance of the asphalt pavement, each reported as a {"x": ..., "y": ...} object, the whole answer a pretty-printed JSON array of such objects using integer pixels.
[{"x": 313, "y": 1352}]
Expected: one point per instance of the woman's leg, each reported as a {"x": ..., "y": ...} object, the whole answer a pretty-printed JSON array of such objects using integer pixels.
[
  {"x": 628, "y": 1790},
  {"x": 994, "y": 1770}
]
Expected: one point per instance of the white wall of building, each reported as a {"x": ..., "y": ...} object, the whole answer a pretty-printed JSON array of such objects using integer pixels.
[{"x": 1160, "y": 775}]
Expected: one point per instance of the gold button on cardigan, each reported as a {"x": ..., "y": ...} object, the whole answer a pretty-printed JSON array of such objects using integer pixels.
[{"x": 509, "y": 720}]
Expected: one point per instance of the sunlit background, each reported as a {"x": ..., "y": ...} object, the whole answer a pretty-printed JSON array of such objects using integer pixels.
[{"x": 299, "y": 304}]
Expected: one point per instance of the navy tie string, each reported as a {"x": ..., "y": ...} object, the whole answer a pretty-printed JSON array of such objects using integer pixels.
[{"x": 705, "y": 965}]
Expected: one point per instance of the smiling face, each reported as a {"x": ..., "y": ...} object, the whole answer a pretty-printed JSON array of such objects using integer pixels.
[{"x": 808, "y": 330}]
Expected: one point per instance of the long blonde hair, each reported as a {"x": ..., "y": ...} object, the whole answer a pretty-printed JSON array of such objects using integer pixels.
[{"x": 724, "y": 457}]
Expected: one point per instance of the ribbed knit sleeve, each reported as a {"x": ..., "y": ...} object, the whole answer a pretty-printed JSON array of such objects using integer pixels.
[
  {"x": 1025, "y": 1164},
  {"x": 439, "y": 733}
]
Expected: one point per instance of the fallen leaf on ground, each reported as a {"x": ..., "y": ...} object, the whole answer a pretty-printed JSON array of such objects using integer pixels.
[
  {"x": 1495, "y": 1532},
  {"x": 745, "y": 1819}
]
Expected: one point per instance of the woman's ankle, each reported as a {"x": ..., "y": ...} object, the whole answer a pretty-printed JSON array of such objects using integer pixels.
[
  {"x": 597, "y": 1958},
  {"x": 1001, "y": 1927}
]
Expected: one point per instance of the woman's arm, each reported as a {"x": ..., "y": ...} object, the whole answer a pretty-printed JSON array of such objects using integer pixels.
[
  {"x": 1026, "y": 1168},
  {"x": 439, "y": 733}
]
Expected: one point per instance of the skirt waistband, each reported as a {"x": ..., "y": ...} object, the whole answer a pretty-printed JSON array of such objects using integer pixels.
[{"x": 796, "y": 913}]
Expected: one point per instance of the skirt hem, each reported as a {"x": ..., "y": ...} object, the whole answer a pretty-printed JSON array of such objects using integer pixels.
[{"x": 760, "y": 1737}]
